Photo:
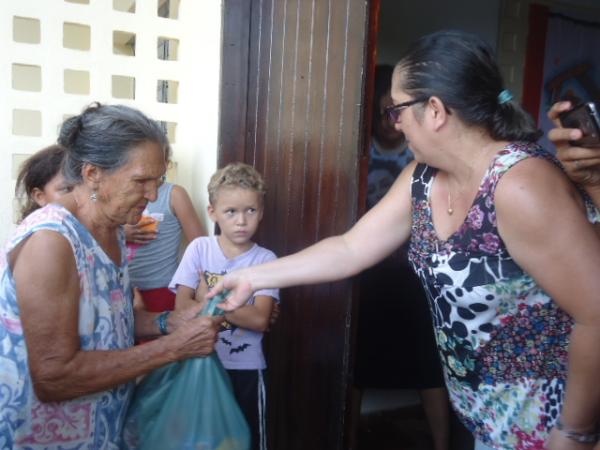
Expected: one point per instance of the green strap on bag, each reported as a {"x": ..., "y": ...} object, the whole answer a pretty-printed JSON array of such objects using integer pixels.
[{"x": 211, "y": 308}]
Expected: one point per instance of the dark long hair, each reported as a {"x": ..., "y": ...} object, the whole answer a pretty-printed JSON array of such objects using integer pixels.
[
  {"x": 37, "y": 171},
  {"x": 460, "y": 69}
]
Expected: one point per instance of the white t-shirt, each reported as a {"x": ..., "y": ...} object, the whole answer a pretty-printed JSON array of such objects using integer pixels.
[{"x": 238, "y": 348}]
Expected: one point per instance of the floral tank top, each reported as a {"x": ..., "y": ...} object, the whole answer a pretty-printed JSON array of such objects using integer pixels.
[
  {"x": 502, "y": 340},
  {"x": 105, "y": 323}
]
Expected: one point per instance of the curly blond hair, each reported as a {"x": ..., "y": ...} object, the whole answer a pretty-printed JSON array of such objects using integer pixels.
[{"x": 235, "y": 175}]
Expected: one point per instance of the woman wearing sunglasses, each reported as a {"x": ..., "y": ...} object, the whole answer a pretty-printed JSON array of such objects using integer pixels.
[{"x": 501, "y": 243}]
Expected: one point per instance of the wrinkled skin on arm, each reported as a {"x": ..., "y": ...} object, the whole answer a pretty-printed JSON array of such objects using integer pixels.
[{"x": 48, "y": 292}]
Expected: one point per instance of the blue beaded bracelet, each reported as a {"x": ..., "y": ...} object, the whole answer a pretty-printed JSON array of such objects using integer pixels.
[{"x": 162, "y": 322}]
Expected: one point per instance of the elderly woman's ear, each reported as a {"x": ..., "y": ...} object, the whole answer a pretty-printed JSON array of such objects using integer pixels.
[
  {"x": 91, "y": 175},
  {"x": 90, "y": 178}
]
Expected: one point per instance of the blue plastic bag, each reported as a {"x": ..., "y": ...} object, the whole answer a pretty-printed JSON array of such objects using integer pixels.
[{"x": 187, "y": 405}]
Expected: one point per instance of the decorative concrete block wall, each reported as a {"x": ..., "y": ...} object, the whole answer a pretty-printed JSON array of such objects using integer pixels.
[{"x": 161, "y": 56}]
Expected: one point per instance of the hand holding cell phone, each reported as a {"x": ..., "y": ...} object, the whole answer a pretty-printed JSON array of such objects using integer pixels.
[
  {"x": 581, "y": 163},
  {"x": 584, "y": 117}
]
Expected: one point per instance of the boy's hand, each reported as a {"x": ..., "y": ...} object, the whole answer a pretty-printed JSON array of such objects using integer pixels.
[
  {"x": 274, "y": 314},
  {"x": 201, "y": 291}
]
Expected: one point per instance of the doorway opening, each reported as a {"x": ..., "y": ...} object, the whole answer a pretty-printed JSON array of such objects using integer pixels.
[{"x": 391, "y": 378}]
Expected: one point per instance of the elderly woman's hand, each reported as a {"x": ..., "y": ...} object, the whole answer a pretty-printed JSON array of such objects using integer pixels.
[
  {"x": 582, "y": 164},
  {"x": 192, "y": 335}
]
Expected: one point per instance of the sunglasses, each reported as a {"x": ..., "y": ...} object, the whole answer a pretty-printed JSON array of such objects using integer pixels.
[{"x": 393, "y": 112}]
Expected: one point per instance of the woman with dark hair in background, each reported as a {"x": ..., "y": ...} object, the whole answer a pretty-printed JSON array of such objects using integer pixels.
[
  {"x": 67, "y": 323},
  {"x": 40, "y": 180},
  {"x": 501, "y": 242},
  {"x": 395, "y": 340}
]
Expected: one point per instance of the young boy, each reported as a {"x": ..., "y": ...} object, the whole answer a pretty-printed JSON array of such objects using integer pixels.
[{"x": 236, "y": 195}]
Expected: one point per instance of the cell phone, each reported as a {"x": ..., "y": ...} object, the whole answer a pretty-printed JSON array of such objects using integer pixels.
[{"x": 585, "y": 117}]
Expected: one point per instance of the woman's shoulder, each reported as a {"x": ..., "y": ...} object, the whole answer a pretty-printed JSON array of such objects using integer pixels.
[
  {"x": 420, "y": 178},
  {"x": 164, "y": 199},
  {"x": 179, "y": 199},
  {"x": 51, "y": 213},
  {"x": 532, "y": 180},
  {"x": 176, "y": 190},
  {"x": 52, "y": 216},
  {"x": 520, "y": 159},
  {"x": 169, "y": 189},
  {"x": 515, "y": 152}
]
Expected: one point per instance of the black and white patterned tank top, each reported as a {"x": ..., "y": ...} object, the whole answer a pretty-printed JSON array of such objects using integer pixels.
[{"x": 502, "y": 340}]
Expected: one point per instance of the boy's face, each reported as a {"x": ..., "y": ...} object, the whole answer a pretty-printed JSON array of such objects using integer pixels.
[{"x": 238, "y": 212}]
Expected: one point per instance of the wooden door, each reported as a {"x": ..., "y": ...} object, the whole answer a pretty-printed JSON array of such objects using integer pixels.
[{"x": 293, "y": 76}]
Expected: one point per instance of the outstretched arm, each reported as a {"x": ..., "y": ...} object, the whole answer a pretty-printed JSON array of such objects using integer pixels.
[
  {"x": 372, "y": 238},
  {"x": 547, "y": 233}
]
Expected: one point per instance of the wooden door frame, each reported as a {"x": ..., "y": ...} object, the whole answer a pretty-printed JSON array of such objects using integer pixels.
[{"x": 240, "y": 19}]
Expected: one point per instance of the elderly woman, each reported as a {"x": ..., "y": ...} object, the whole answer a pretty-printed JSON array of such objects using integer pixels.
[
  {"x": 501, "y": 243},
  {"x": 67, "y": 322}
]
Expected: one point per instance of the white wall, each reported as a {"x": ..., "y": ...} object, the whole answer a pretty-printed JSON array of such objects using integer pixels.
[{"x": 198, "y": 29}]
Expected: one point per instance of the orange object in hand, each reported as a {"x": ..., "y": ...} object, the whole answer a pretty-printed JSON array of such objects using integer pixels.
[{"x": 147, "y": 223}]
